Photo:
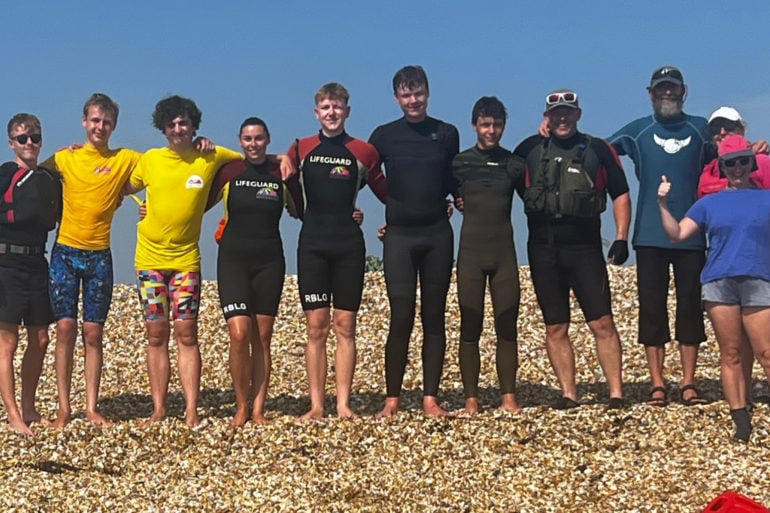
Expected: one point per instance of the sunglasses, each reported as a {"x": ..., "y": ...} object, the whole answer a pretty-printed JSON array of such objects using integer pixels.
[
  {"x": 744, "y": 161},
  {"x": 728, "y": 126},
  {"x": 22, "y": 139},
  {"x": 554, "y": 98}
]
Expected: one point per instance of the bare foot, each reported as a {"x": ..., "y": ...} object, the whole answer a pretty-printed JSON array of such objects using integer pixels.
[
  {"x": 62, "y": 419},
  {"x": 471, "y": 406},
  {"x": 431, "y": 407},
  {"x": 21, "y": 427},
  {"x": 258, "y": 417},
  {"x": 391, "y": 408},
  {"x": 191, "y": 419},
  {"x": 313, "y": 414},
  {"x": 509, "y": 404},
  {"x": 155, "y": 418},
  {"x": 240, "y": 417},
  {"x": 345, "y": 412},
  {"x": 96, "y": 418},
  {"x": 33, "y": 417}
]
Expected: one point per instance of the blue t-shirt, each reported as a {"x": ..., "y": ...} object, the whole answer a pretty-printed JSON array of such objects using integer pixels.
[
  {"x": 674, "y": 148},
  {"x": 737, "y": 223}
]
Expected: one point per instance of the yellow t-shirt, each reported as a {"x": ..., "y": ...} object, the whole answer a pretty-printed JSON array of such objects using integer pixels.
[
  {"x": 177, "y": 189},
  {"x": 92, "y": 182}
]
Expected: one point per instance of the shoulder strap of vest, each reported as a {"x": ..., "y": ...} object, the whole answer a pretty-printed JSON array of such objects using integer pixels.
[
  {"x": 582, "y": 150},
  {"x": 17, "y": 176}
]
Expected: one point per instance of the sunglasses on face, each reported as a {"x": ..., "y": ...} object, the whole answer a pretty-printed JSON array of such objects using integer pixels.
[
  {"x": 22, "y": 139},
  {"x": 554, "y": 98},
  {"x": 743, "y": 161},
  {"x": 727, "y": 125}
]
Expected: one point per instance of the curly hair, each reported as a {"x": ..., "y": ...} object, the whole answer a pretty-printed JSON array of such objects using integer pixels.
[{"x": 172, "y": 107}]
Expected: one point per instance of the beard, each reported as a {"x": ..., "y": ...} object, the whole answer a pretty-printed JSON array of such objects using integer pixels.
[{"x": 665, "y": 108}]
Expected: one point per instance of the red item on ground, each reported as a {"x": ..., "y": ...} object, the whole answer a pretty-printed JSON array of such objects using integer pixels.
[{"x": 732, "y": 502}]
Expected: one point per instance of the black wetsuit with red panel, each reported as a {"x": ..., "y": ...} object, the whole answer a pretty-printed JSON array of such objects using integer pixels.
[
  {"x": 418, "y": 241},
  {"x": 331, "y": 254}
]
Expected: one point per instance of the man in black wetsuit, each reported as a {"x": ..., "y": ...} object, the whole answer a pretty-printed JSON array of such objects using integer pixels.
[
  {"x": 486, "y": 182},
  {"x": 417, "y": 151},
  {"x": 567, "y": 178},
  {"x": 333, "y": 167}
]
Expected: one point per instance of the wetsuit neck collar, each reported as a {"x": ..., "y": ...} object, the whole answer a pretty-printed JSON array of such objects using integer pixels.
[
  {"x": 569, "y": 142},
  {"x": 337, "y": 138},
  {"x": 671, "y": 120},
  {"x": 256, "y": 167}
]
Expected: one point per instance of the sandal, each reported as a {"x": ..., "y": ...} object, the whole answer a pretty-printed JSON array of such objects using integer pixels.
[
  {"x": 695, "y": 400},
  {"x": 660, "y": 402}
]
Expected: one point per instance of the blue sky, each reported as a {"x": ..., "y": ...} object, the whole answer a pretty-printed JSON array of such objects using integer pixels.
[{"x": 243, "y": 58}]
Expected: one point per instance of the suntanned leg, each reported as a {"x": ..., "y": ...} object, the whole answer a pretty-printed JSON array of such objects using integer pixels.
[
  {"x": 748, "y": 363},
  {"x": 726, "y": 320},
  {"x": 31, "y": 369},
  {"x": 189, "y": 362},
  {"x": 66, "y": 334},
  {"x": 318, "y": 325},
  {"x": 609, "y": 353},
  {"x": 158, "y": 364},
  {"x": 689, "y": 357},
  {"x": 262, "y": 365},
  {"x": 92, "y": 338},
  {"x": 562, "y": 357},
  {"x": 656, "y": 355},
  {"x": 241, "y": 333},
  {"x": 345, "y": 360},
  {"x": 755, "y": 322},
  {"x": 9, "y": 340}
]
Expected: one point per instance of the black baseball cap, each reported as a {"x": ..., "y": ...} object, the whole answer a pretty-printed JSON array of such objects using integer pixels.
[{"x": 666, "y": 74}]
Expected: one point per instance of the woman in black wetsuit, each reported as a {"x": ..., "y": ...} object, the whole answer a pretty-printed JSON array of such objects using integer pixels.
[{"x": 250, "y": 264}]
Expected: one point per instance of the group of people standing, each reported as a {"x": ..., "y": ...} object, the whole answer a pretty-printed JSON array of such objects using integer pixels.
[{"x": 562, "y": 175}]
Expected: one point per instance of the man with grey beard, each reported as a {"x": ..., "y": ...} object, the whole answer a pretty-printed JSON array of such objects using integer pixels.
[{"x": 667, "y": 142}]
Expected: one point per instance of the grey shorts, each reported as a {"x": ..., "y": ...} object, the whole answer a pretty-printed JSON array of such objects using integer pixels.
[{"x": 740, "y": 290}]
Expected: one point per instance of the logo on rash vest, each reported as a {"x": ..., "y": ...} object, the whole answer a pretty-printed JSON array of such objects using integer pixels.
[
  {"x": 671, "y": 145},
  {"x": 194, "y": 182},
  {"x": 316, "y": 298},
  {"x": 339, "y": 173},
  {"x": 267, "y": 193},
  {"x": 102, "y": 170}
]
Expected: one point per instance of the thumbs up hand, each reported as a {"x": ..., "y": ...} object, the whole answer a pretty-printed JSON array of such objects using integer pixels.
[{"x": 664, "y": 188}]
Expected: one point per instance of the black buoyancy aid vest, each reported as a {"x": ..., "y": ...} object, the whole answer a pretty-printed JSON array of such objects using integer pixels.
[{"x": 560, "y": 186}]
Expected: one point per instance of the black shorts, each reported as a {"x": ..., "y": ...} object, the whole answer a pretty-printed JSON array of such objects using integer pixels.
[
  {"x": 558, "y": 268},
  {"x": 652, "y": 281},
  {"x": 251, "y": 284},
  {"x": 24, "y": 297},
  {"x": 331, "y": 271}
]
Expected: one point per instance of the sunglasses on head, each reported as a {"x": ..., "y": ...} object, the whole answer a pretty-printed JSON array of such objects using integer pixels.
[
  {"x": 717, "y": 126},
  {"x": 22, "y": 139},
  {"x": 554, "y": 98},
  {"x": 744, "y": 161}
]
